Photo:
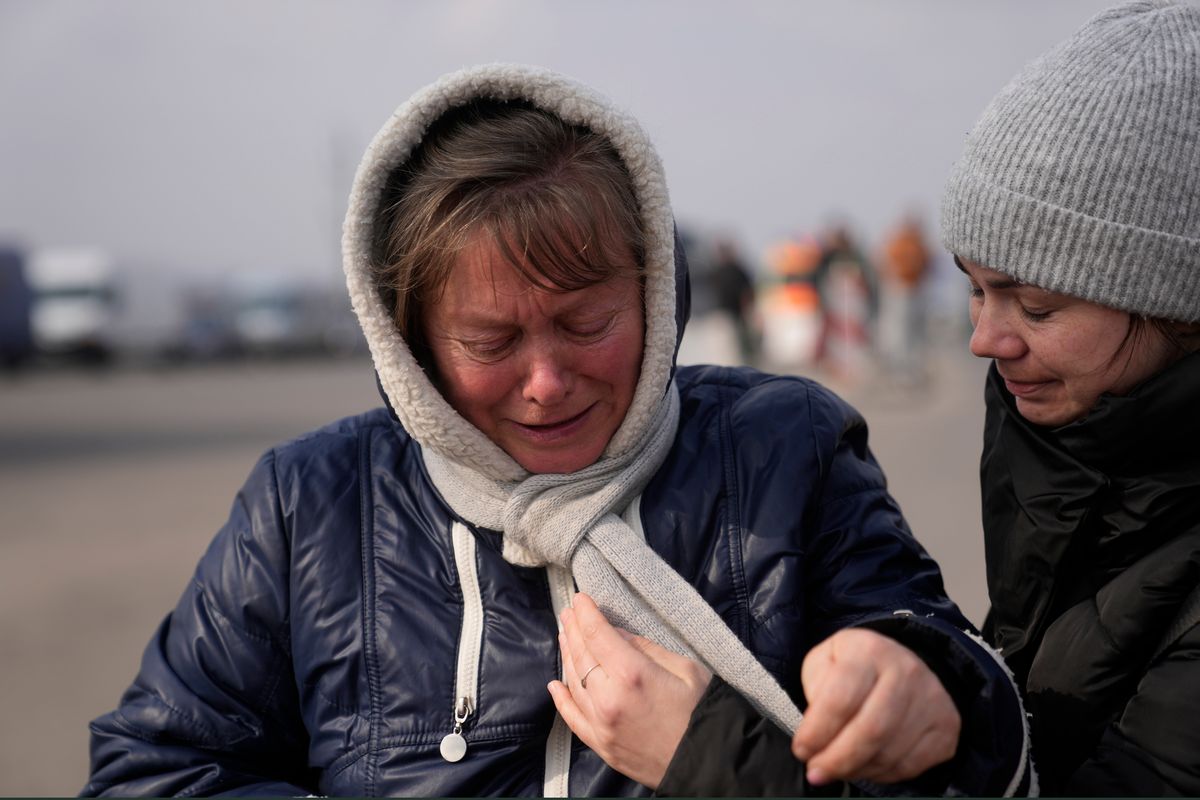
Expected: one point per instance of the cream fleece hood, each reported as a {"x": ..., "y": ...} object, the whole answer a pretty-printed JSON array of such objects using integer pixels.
[{"x": 422, "y": 410}]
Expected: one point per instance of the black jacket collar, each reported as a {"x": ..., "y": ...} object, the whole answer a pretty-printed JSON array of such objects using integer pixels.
[{"x": 1064, "y": 509}]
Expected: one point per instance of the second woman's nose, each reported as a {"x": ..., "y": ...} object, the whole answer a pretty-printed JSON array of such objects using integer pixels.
[{"x": 994, "y": 338}]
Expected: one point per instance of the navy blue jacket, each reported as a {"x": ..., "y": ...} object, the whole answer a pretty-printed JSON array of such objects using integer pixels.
[{"x": 315, "y": 649}]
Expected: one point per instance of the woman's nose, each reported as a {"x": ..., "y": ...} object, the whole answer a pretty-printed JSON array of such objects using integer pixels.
[
  {"x": 549, "y": 379},
  {"x": 994, "y": 338}
]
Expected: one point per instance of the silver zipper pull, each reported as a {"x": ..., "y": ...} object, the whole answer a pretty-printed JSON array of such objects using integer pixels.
[{"x": 454, "y": 745}]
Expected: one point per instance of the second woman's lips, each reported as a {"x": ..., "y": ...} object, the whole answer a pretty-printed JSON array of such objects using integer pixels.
[{"x": 1022, "y": 388}]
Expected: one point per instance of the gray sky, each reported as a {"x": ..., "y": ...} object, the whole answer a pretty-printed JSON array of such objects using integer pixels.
[{"x": 221, "y": 136}]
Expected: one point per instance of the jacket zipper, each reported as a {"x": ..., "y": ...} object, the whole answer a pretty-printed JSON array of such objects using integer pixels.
[
  {"x": 466, "y": 681},
  {"x": 557, "y": 780},
  {"x": 466, "y": 677}
]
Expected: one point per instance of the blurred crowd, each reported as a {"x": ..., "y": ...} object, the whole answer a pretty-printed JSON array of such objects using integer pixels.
[{"x": 824, "y": 301}]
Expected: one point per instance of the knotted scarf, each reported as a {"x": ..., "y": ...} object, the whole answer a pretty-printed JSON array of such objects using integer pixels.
[{"x": 572, "y": 520}]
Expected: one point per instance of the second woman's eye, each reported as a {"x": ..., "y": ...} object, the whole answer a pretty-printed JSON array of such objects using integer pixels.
[{"x": 1034, "y": 315}]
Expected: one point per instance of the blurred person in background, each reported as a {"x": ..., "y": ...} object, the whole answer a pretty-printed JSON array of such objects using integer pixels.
[
  {"x": 1075, "y": 213},
  {"x": 849, "y": 290},
  {"x": 790, "y": 311},
  {"x": 905, "y": 260},
  {"x": 380, "y": 614},
  {"x": 734, "y": 288}
]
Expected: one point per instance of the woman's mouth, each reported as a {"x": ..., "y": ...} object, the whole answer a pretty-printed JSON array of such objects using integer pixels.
[
  {"x": 1023, "y": 388},
  {"x": 558, "y": 429}
]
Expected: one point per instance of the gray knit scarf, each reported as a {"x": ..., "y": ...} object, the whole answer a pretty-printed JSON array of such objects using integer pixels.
[{"x": 571, "y": 520}]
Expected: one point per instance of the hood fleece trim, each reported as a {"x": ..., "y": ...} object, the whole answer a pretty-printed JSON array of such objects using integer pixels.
[{"x": 420, "y": 407}]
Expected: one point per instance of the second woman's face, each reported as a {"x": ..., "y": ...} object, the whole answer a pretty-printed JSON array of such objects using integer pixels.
[
  {"x": 1057, "y": 354},
  {"x": 548, "y": 376}
]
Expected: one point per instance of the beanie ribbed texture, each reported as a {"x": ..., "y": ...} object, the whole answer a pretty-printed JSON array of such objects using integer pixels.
[{"x": 1083, "y": 174}]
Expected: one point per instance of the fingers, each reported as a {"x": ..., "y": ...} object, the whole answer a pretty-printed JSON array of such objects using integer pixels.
[
  {"x": 935, "y": 747},
  {"x": 638, "y": 699},
  {"x": 682, "y": 667},
  {"x": 594, "y": 641},
  {"x": 624, "y": 654},
  {"x": 570, "y": 672},
  {"x": 868, "y": 743},
  {"x": 877, "y": 712},
  {"x": 569, "y": 710},
  {"x": 931, "y": 749},
  {"x": 836, "y": 689},
  {"x": 577, "y": 648},
  {"x": 574, "y": 703}
]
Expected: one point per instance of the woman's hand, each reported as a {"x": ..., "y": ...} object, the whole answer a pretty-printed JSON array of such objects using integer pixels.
[
  {"x": 625, "y": 697},
  {"x": 876, "y": 711}
]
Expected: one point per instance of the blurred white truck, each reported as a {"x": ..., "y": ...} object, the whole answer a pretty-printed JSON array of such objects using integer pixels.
[{"x": 74, "y": 302}]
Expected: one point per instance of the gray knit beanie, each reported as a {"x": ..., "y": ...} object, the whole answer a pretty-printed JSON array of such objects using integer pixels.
[{"x": 1083, "y": 174}]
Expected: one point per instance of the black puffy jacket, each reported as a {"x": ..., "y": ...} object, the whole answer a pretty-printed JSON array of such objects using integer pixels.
[
  {"x": 1093, "y": 549},
  {"x": 319, "y": 646}
]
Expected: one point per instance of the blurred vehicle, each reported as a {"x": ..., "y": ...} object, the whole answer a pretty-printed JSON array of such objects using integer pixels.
[
  {"x": 280, "y": 315},
  {"x": 208, "y": 332},
  {"x": 74, "y": 302},
  {"x": 16, "y": 305},
  {"x": 163, "y": 318}
]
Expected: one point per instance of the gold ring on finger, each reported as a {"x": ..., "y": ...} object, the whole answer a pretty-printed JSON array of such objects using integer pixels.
[{"x": 583, "y": 680}]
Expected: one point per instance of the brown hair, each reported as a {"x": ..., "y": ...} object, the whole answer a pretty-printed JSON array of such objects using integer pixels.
[
  {"x": 1184, "y": 338},
  {"x": 556, "y": 199}
]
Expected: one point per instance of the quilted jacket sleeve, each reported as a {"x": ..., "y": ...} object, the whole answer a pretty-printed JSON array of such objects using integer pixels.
[
  {"x": 213, "y": 709},
  {"x": 864, "y": 568},
  {"x": 729, "y": 749}
]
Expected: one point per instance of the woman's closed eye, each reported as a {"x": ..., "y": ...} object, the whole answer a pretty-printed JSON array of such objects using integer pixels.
[
  {"x": 488, "y": 349},
  {"x": 1038, "y": 305},
  {"x": 1030, "y": 311},
  {"x": 589, "y": 329}
]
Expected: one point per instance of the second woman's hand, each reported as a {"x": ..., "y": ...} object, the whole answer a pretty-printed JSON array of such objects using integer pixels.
[
  {"x": 876, "y": 711},
  {"x": 625, "y": 697}
]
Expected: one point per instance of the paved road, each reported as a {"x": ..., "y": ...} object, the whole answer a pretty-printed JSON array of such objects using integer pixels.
[{"x": 111, "y": 485}]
